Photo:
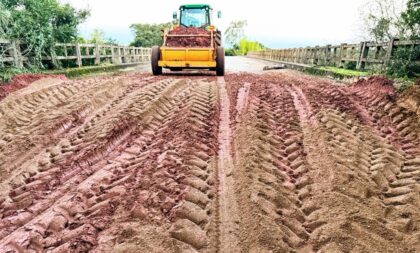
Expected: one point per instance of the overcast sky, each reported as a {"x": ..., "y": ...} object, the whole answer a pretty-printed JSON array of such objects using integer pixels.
[{"x": 275, "y": 23}]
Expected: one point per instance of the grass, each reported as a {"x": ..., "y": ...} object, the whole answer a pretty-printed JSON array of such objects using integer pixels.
[
  {"x": 334, "y": 72},
  {"x": 76, "y": 72},
  {"x": 340, "y": 73},
  {"x": 7, "y": 74},
  {"x": 344, "y": 72}
]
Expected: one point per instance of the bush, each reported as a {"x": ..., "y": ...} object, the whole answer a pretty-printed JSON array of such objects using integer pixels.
[
  {"x": 230, "y": 52},
  {"x": 405, "y": 62},
  {"x": 148, "y": 35},
  {"x": 247, "y": 45},
  {"x": 243, "y": 47},
  {"x": 39, "y": 24},
  {"x": 350, "y": 65}
]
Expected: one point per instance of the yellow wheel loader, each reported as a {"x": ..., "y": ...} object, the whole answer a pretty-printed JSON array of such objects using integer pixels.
[{"x": 196, "y": 50}]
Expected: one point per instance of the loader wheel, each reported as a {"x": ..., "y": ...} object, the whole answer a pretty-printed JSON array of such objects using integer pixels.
[
  {"x": 220, "y": 61},
  {"x": 155, "y": 59}
]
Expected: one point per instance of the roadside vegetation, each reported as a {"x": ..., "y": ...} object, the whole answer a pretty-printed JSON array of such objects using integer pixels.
[
  {"x": 148, "y": 35},
  {"x": 236, "y": 41},
  {"x": 344, "y": 72},
  {"x": 384, "y": 20},
  {"x": 38, "y": 25}
]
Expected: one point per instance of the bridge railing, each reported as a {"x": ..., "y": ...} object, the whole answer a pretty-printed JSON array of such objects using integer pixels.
[
  {"x": 363, "y": 54},
  {"x": 79, "y": 53}
]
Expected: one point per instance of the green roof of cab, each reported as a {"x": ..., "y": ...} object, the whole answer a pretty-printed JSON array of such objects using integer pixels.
[{"x": 194, "y": 6}]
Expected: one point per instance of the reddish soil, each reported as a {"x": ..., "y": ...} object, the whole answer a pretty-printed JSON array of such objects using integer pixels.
[
  {"x": 22, "y": 80},
  {"x": 188, "y": 41},
  {"x": 410, "y": 98},
  {"x": 279, "y": 162}
]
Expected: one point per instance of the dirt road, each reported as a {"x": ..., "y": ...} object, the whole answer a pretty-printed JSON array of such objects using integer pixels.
[{"x": 275, "y": 162}]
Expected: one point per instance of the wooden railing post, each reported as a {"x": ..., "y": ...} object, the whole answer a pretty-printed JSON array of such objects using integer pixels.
[
  {"x": 121, "y": 50},
  {"x": 315, "y": 59},
  {"x": 389, "y": 52},
  {"x": 17, "y": 60},
  {"x": 124, "y": 49},
  {"x": 112, "y": 54},
  {"x": 78, "y": 55},
  {"x": 342, "y": 48},
  {"x": 54, "y": 57},
  {"x": 336, "y": 63},
  {"x": 327, "y": 55},
  {"x": 364, "y": 50},
  {"x": 97, "y": 54}
]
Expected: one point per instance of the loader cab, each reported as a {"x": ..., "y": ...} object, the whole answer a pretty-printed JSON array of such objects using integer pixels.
[{"x": 195, "y": 15}]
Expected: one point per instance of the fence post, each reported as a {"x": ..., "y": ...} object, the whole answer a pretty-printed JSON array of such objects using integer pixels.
[
  {"x": 342, "y": 47},
  {"x": 17, "y": 61},
  {"x": 335, "y": 57},
  {"x": 124, "y": 58},
  {"x": 54, "y": 57},
  {"x": 364, "y": 50},
  {"x": 389, "y": 52},
  {"x": 97, "y": 54},
  {"x": 112, "y": 54},
  {"x": 316, "y": 55},
  {"x": 78, "y": 55},
  {"x": 328, "y": 54}
]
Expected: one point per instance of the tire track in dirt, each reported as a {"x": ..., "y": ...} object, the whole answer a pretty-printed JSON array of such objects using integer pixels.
[
  {"x": 355, "y": 198},
  {"x": 188, "y": 154},
  {"x": 272, "y": 181},
  {"x": 363, "y": 227},
  {"x": 59, "y": 181},
  {"x": 374, "y": 163},
  {"x": 42, "y": 116},
  {"x": 278, "y": 162},
  {"x": 159, "y": 165},
  {"x": 228, "y": 209},
  {"x": 397, "y": 126}
]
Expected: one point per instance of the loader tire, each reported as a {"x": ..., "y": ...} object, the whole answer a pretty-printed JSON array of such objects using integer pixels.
[
  {"x": 220, "y": 61},
  {"x": 155, "y": 59}
]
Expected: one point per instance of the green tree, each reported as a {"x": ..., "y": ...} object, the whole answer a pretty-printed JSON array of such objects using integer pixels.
[
  {"x": 382, "y": 20},
  {"x": 111, "y": 41},
  {"x": 4, "y": 19},
  {"x": 404, "y": 62},
  {"x": 405, "y": 59},
  {"x": 235, "y": 32},
  {"x": 381, "y": 30},
  {"x": 246, "y": 46},
  {"x": 148, "y": 35},
  {"x": 97, "y": 36},
  {"x": 411, "y": 19},
  {"x": 39, "y": 24}
]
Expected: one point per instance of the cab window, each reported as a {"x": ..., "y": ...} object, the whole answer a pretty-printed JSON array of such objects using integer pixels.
[{"x": 194, "y": 17}]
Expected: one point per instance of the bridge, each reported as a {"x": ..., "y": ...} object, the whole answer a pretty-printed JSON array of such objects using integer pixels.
[{"x": 255, "y": 161}]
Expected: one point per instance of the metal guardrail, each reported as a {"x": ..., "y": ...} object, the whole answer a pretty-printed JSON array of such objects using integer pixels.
[
  {"x": 10, "y": 53},
  {"x": 364, "y": 53}
]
